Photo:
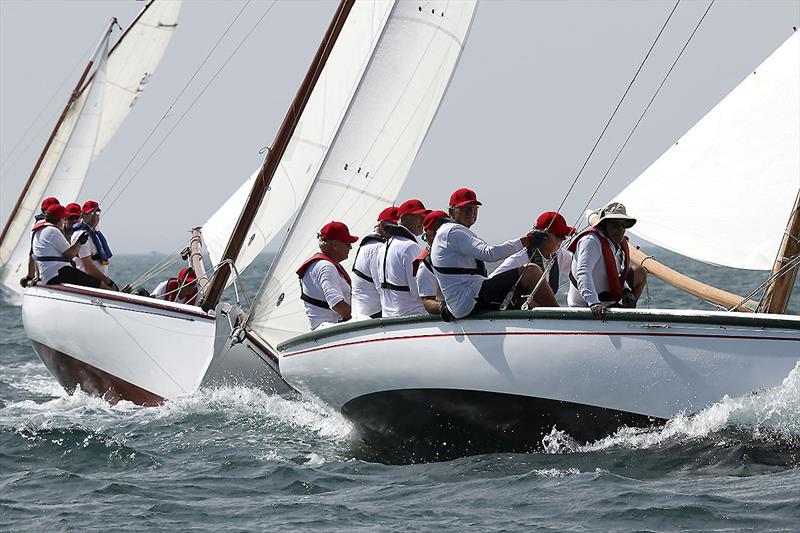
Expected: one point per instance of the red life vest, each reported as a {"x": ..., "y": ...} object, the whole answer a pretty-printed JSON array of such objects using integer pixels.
[
  {"x": 420, "y": 258},
  {"x": 320, "y": 256},
  {"x": 172, "y": 292},
  {"x": 615, "y": 281}
]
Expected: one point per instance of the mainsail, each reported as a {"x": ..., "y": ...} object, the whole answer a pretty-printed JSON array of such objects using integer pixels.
[
  {"x": 723, "y": 193},
  {"x": 372, "y": 152},
  {"x": 87, "y": 126}
]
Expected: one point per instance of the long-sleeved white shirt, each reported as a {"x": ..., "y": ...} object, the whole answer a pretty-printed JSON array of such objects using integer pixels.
[
  {"x": 366, "y": 300},
  {"x": 427, "y": 284},
  {"x": 323, "y": 282},
  {"x": 397, "y": 268},
  {"x": 455, "y": 246},
  {"x": 589, "y": 270}
]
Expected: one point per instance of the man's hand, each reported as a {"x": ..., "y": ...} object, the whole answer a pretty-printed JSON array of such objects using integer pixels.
[
  {"x": 599, "y": 311},
  {"x": 84, "y": 238},
  {"x": 24, "y": 281}
]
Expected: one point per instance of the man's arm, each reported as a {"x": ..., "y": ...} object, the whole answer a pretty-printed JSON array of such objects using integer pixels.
[
  {"x": 330, "y": 285},
  {"x": 92, "y": 270},
  {"x": 476, "y": 247},
  {"x": 587, "y": 254}
]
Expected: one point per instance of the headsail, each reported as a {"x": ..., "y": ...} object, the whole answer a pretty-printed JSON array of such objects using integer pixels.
[
  {"x": 724, "y": 192},
  {"x": 373, "y": 150},
  {"x": 87, "y": 125}
]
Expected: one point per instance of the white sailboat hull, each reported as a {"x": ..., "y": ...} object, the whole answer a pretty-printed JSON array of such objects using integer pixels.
[
  {"x": 500, "y": 381},
  {"x": 126, "y": 347}
]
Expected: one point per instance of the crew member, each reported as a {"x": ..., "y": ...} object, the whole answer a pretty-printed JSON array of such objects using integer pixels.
[
  {"x": 398, "y": 287},
  {"x": 601, "y": 274},
  {"x": 458, "y": 256},
  {"x": 32, "y": 274},
  {"x": 427, "y": 285},
  {"x": 73, "y": 217},
  {"x": 182, "y": 290},
  {"x": 47, "y": 202},
  {"x": 53, "y": 254},
  {"x": 324, "y": 283},
  {"x": 94, "y": 256},
  {"x": 366, "y": 300},
  {"x": 545, "y": 251}
]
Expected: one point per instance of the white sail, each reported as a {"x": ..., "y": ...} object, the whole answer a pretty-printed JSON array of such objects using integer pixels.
[
  {"x": 309, "y": 145},
  {"x": 723, "y": 193},
  {"x": 88, "y": 125},
  {"x": 374, "y": 148}
]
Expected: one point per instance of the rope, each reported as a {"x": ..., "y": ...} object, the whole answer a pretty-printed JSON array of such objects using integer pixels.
[
  {"x": 792, "y": 263},
  {"x": 188, "y": 109}
]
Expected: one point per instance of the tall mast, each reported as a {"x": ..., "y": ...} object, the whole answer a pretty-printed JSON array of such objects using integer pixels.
[
  {"x": 262, "y": 181},
  {"x": 776, "y": 297},
  {"x": 76, "y": 93}
]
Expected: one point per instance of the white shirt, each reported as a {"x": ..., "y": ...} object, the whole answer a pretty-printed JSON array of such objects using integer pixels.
[
  {"x": 323, "y": 282},
  {"x": 398, "y": 269},
  {"x": 521, "y": 258},
  {"x": 49, "y": 242},
  {"x": 160, "y": 292},
  {"x": 457, "y": 246},
  {"x": 366, "y": 300},
  {"x": 589, "y": 271},
  {"x": 427, "y": 284},
  {"x": 87, "y": 249}
]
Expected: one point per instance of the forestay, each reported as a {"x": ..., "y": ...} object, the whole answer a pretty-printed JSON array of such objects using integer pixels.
[
  {"x": 309, "y": 145},
  {"x": 374, "y": 148},
  {"x": 723, "y": 193},
  {"x": 88, "y": 126}
]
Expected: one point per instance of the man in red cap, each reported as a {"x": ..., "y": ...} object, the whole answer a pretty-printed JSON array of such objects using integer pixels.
[
  {"x": 427, "y": 285},
  {"x": 458, "y": 257},
  {"x": 324, "y": 283},
  {"x": 545, "y": 251},
  {"x": 95, "y": 254},
  {"x": 73, "y": 217},
  {"x": 182, "y": 289},
  {"x": 366, "y": 300},
  {"x": 47, "y": 202},
  {"x": 53, "y": 254},
  {"x": 398, "y": 286}
]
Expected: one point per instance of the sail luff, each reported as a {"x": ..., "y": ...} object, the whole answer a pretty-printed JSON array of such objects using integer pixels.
[
  {"x": 267, "y": 171},
  {"x": 776, "y": 297}
]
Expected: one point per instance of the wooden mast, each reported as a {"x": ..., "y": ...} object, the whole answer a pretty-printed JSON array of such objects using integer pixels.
[
  {"x": 690, "y": 285},
  {"x": 776, "y": 297},
  {"x": 262, "y": 181},
  {"x": 76, "y": 93}
]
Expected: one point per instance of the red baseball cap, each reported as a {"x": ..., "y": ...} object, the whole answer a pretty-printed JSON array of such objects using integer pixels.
[
  {"x": 90, "y": 206},
  {"x": 412, "y": 207},
  {"x": 47, "y": 202},
  {"x": 388, "y": 215},
  {"x": 463, "y": 197},
  {"x": 56, "y": 211},
  {"x": 431, "y": 219},
  {"x": 554, "y": 223},
  {"x": 187, "y": 275},
  {"x": 336, "y": 231},
  {"x": 73, "y": 210}
]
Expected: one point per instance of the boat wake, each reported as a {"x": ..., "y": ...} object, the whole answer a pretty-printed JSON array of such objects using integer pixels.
[{"x": 764, "y": 426}]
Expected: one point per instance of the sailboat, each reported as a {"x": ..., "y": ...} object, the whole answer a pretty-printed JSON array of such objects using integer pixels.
[
  {"x": 417, "y": 388},
  {"x": 105, "y": 93},
  {"x": 354, "y": 127}
]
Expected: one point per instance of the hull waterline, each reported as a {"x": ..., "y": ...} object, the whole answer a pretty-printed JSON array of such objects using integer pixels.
[{"x": 419, "y": 389}]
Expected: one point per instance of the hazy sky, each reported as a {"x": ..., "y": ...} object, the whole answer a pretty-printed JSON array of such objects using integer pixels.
[{"x": 536, "y": 83}]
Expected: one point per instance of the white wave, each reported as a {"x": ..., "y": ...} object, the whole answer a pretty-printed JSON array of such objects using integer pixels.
[{"x": 767, "y": 413}]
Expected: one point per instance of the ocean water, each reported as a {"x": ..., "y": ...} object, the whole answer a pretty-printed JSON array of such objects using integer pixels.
[{"x": 245, "y": 460}]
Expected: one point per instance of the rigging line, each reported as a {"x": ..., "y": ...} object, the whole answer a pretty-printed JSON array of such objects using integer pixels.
[
  {"x": 613, "y": 114},
  {"x": 641, "y": 117},
  {"x": 175, "y": 101},
  {"x": 191, "y": 105}
]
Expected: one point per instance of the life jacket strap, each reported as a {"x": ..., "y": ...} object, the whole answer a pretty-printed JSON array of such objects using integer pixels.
[
  {"x": 363, "y": 276},
  {"x": 314, "y": 301},
  {"x": 392, "y": 286},
  {"x": 479, "y": 270},
  {"x": 48, "y": 258}
]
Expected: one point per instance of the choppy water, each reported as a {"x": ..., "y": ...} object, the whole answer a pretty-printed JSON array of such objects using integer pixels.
[{"x": 246, "y": 460}]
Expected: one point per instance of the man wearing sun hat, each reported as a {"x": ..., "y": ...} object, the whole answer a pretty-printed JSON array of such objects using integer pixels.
[
  {"x": 396, "y": 281},
  {"x": 182, "y": 289},
  {"x": 550, "y": 231},
  {"x": 366, "y": 300},
  {"x": 427, "y": 285},
  {"x": 601, "y": 275},
  {"x": 324, "y": 283},
  {"x": 95, "y": 254},
  {"x": 458, "y": 257}
]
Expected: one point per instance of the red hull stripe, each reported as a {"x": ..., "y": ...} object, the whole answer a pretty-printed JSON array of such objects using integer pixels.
[{"x": 543, "y": 334}]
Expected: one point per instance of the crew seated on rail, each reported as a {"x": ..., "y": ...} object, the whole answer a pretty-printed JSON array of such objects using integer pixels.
[
  {"x": 458, "y": 256},
  {"x": 324, "y": 283},
  {"x": 366, "y": 299},
  {"x": 182, "y": 290},
  {"x": 427, "y": 285},
  {"x": 602, "y": 275},
  {"x": 53, "y": 254},
  {"x": 94, "y": 255}
]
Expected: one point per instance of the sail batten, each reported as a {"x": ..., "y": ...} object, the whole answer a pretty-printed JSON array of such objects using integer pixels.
[
  {"x": 372, "y": 152},
  {"x": 723, "y": 192}
]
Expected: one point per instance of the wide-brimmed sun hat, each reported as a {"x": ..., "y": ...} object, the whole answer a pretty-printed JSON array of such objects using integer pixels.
[{"x": 612, "y": 211}]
